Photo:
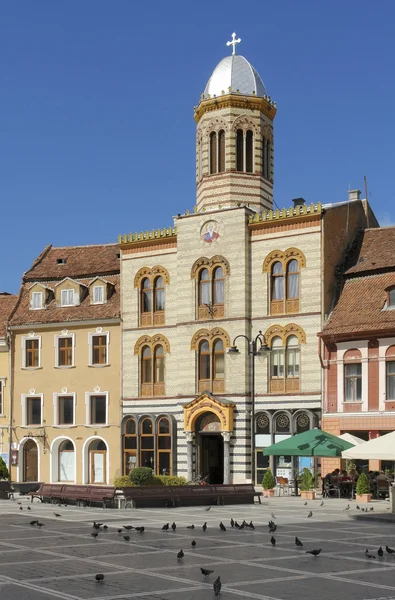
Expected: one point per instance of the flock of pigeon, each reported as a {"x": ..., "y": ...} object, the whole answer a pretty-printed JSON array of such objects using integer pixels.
[{"x": 126, "y": 530}]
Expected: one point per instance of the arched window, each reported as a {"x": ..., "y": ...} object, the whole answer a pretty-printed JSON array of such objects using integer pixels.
[
  {"x": 152, "y": 364},
  {"x": 204, "y": 287},
  {"x": 204, "y": 365},
  {"x": 239, "y": 150},
  {"x": 218, "y": 286},
  {"x": 129, "y": 446},
  {"x": 159, "y": 297},
  {"x": 264, "y": 158},
  {"x": 147, "y": 446},
  {"x": 66, "y": 461},
  {"x": 293, "y": 364},
  {"x": 163, "y": 444},
  {"x": 211, "y": 366},
  {"x": 277, "y": 281},
  {"x": 146, "y": 296},
  {"x": 285, "y": 379},
  {"x": 221, "y": 151},
  {"x": 218, "y": 360},
  {"x": 292, "y": 280},
  {"x": 249, "y": 152},
  {"x": 213, "y": 152},
  {"x": 159, "y": 365},
  {"x": 282, "y": 423},
  {"x": 146, "y": 370},
  {"x": 277, "y": 359},
  {"x": 97, "y": 455}
]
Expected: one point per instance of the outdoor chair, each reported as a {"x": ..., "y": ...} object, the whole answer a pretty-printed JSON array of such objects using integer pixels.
[
  {"x": 283, "y": 486},
  {"x": 330, "y": 490},
  {"x": 382, "y": 489}
]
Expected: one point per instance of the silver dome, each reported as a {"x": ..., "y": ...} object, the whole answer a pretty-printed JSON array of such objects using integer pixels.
[{"x": 234, "y": 73}]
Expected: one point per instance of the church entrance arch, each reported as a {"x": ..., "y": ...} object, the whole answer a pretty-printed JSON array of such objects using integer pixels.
[{"x": 210, "y": 447}]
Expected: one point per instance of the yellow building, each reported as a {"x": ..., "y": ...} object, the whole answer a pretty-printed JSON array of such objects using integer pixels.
[
  {"x": 65, "y": 337},
  {"x": 7, "y": 303}
]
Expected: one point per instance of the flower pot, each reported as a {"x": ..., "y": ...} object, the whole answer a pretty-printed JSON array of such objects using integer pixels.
[
  {"x": 309, "y": 495},
  {"x": 363, "y": 497},
  {"x": 268, "y": 493}
]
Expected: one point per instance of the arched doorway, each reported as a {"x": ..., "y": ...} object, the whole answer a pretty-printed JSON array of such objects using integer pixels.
[
  {"x": 210, "y": 448},
  {"x": 30, "y": 461},
  {"x": 97, "y": 455},
  {"x": 66, "y": 464}
]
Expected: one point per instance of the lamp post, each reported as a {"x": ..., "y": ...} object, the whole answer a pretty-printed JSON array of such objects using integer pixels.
[{"x": 257, "y": 346}]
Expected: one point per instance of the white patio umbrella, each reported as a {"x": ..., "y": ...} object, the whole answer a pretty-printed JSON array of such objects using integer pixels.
[
  {"x": 353, "y": 439},
  {"x": 381, "y": 448}
]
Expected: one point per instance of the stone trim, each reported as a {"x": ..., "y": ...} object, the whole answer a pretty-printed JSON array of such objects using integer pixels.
[
  {"x": 210, "y": 335},
  {"x": 146, "y": 340},
  {"x": 285, "y": 332}
]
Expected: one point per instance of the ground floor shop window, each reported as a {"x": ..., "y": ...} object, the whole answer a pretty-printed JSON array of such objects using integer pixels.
[{"x": 148, "y": 441}]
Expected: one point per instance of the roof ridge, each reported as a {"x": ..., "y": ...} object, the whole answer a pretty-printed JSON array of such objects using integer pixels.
[
  {"x": 84, "y": 246},
  {"x": 38, "y": 260}
]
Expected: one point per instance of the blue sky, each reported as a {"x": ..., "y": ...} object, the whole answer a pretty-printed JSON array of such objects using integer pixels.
[{"x": 97, "y": 135}]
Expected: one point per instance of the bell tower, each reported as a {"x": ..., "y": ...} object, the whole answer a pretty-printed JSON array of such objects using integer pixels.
[{"x": 234, "y": 141}]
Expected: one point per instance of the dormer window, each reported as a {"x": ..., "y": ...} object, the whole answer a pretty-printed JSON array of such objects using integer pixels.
[
  {"x": 67, "y": 297},
  {"x": 61, "y": 261},
  {"x": 391, "y": 298},
  {"x": 37, "y": 300},
  {"x": 98, "y": 294}
]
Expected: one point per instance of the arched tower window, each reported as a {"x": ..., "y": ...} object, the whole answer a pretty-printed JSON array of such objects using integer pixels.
[
  {"x": 239, "y": 150},
  {"x": 213, "y": 152},
  {"x": 249, "y": 152},
  {"x": 221, "y": 151}
]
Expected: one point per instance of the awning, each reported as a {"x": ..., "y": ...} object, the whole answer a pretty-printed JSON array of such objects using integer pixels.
[
  {"x": 353, "y": 439},
  {"x": 314, "y": 442},
  {"x": 380, "y": 448}
]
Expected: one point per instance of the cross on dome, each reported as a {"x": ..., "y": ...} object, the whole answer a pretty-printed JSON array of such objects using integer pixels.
[{"x": 233, "y": 43}]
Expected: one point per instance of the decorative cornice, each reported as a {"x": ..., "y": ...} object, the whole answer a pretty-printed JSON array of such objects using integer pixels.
[
  {"x": 234, "y": 100},
  {"x": 125, "y": 240},
  {"x": 300, "y": 212}
]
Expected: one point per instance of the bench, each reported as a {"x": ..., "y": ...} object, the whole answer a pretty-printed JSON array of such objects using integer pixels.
[
  {"x": 190, "y": 494},
  {"x": 81, "y": 494}
]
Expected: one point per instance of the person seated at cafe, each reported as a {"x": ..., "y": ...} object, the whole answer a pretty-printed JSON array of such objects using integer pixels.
[
  {"x": 343, "y": 476},
  {"x": 381, "y": 477}
]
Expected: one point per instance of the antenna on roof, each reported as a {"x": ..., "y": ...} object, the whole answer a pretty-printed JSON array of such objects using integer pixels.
[{"x": 365, "y": 185}]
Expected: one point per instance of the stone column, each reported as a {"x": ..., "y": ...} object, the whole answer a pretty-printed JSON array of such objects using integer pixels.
[
  {"x": 226, "y": 435},
  {"x": 190, "y": 436}
]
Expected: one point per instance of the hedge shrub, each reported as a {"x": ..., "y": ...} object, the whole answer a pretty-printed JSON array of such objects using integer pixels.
[
  {"x": 141, "y": 476},
  {"x": 122, "y": 481},
  {"x": 3, "y": 469},
  {"x": 363, "y": 485},
  {"x": 171, "y": 480}
]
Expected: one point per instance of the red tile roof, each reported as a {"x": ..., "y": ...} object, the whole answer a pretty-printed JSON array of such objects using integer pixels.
[
  {"x": 377, "y": 251},
  {"x": 7, "y": 303},
  {"x": 360, "y": 307}
]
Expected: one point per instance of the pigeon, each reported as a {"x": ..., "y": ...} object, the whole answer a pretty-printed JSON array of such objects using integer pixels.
[
  {"x": 347, "y": 507},
  {"x": 273, "y": 516},
  {"x": 322, "y": 503},
  {"x": 126, "y": 538},
  {"x": 298, "y": 542},
  {"x": 232, "y": 523},
  {"x": 33, "y": 522},
  {"x": 305, "y": 504},
  {"x": 389, "y": 550},
  {"x": 251, "y": 525},
  {"x": 95, "y": 525},
  {"x": 208, "y": 508},
  {"x": 94, "y": 535},
  {"x": 313, "y": 552},
  {"x": 190, "y": 526},
  {"x": 119, "y": 530},
  {"x": 140, "y": 529},
  {"x": 127, "y": 527},
  {"x": 358, "y": 507},
  {"x": 271, "y": 523},
  {"x": 28, "y": 508},
  {"x": 19, "y": 503},
  {"x": 193, "y": 543},
  {"x": 222, "y": 526},
  {"x": 368, "y": 555},
  {"x": 273, "y": 529},
  {"x": 206, "y": 572},
  {"x": 273, "y": 541},
  {"x": 39, "y": 524},
  {"x": 165, "y": 527},
  {"x": 204, "y": 526},
  {"x": 371, "y": 508},
  {"x": 21, "y": 508},
  {"x": 180, "y": 555},
  {"x": 173, "y": 526},
  {"x": 105, "y": 527},
  {"x": 99, "y": 577},
  {"x": 217, "y": 586},
  {"x": 242, "y": 525},
  {"x": 380, "y": 552},
  {"x": 237, "y": 525},
  {"x": 310, "y": 514},
  {"x": 57, "y": 515}
]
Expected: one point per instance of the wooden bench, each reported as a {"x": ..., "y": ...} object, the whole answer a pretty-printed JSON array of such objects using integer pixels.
[
  {"x": 190, "y": 494},
  {"x": 81, "y": 494}
]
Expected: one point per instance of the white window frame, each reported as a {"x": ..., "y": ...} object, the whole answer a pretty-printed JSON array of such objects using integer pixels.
[
  {"x": 61, "y": 297},
  {"x": 24, "y": 398},
  {"x": 95, "y": 287},
  {"x": 35, "y": 295},
  {"x": 56, "y": 408},
  {"x": 2, "y": 399},
  {"x": 342, "y": 347},
  {"x": 88, "y": 408},
  {"x": 90, "y": 336},
  {"x": 57, "y": 338},
  {"x": 28, "y": 338}
]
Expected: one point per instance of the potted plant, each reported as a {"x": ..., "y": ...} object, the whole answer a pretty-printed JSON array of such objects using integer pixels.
[
  {"x": 363, "y": 489},
  {"x": 306, "y": 482},
  {"x": 268, "y": 483}
]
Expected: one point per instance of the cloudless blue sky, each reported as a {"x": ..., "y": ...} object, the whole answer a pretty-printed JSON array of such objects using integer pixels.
[{"x": 97, "y": 135}]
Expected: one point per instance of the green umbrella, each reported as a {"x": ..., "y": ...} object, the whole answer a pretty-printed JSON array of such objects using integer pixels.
[{"x": 314, "y": 442}]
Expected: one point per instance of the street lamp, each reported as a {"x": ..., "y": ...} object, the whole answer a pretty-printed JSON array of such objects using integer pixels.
[{"x": 257, "y": 346}]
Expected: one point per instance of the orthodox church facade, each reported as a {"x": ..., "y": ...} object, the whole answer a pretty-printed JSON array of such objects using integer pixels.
[{"x": 235, "y": 272}]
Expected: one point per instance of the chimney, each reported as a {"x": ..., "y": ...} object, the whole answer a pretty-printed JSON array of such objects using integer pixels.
[
  {"x": 298, "y": 202},
  {"x": 354, "y": 195}
]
